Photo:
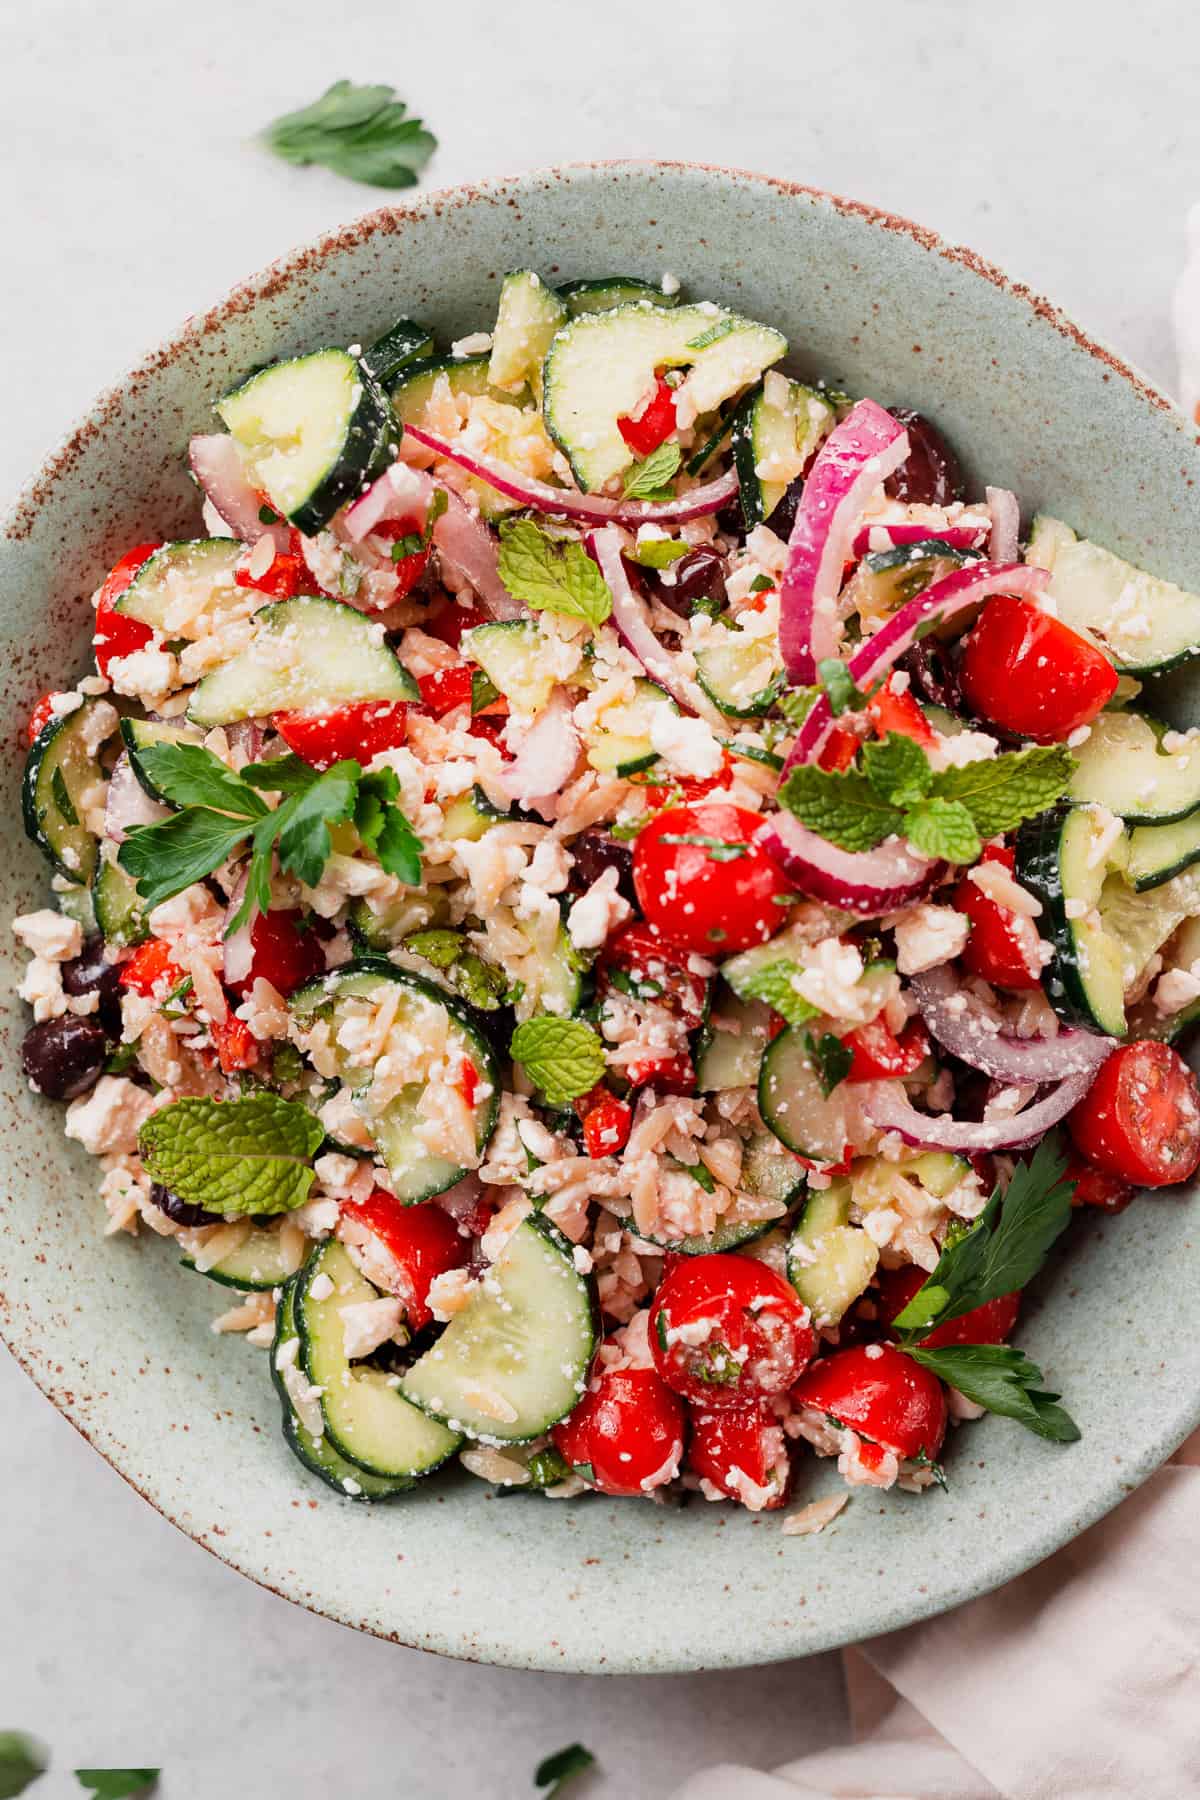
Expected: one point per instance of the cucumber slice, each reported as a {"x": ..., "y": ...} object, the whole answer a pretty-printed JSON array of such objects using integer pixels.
[
  {"x": 1122, "y": 766},
  {"x": 938, "y": 1171},
  {"x": 775, "y": 431},
  {"x": 1057, "y": 859},
  {"x": 256, "y": 1266},
  {"x": 405, "y": 343},
  {"x": 730, "y": 1059},
  {"x": 520, "y": 1348},
  {"x": 312, "y": 431},
  {"x": 416, "y": 1173},
  {"x": 512, "y": 653},
  {"x": 1145, "y": 625},
  {"x": 76, "y": 903},
  {"x": 470, "y": 816},
  {"x": 382, "y": 931},
  {"x": 181, "y": 578},
  {"x": 59, "y": 769},
  {"x": 792, "y": 1104},
  {"x": 793, "y": 947},
  {"x": 619, "y": 743},
  {"x": 829, "y": 1261},
  {"x": 309, "y": 655},
  {"x": 466, "y": 374},
  {"x": 1157, "y": 852},
  {"x": 599, "y": 367},
  {"x": 559, "y": 985},
  {"x": 529, "y": 315},
  {"x": 770, "y": 1170},
  {"x": 739, "y": 673},
  {"x": 142, "y": 734},
  {"x": 1138, "y": 925},
  {"x": 602, "y": 294},
  {"x": 885, "y": 580},
  {"x": 367, "y": 1419},
  {"x": 120, "y": 915}
]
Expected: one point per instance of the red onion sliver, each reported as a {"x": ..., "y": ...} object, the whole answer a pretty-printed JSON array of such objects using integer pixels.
[
  {"x": 959, "y": 1022},
  {"x": 944, "y": 599},
  {"x": 216, "y": 463},
  {"x": 886, "y": 1105},
  {"x": 959, "y": 537},
  {"x": 467, "y": 548},
  {"x": 867, "y": 882},
  {"x": 399, "y": 491},
  {"x": 856, "y": 457},
  {"x": 633, "y": 627},
  {"x": 547, "y": 757},
  {"x": 564, "y": 503},
  {"x": 1006, "y": 525},
  {"x": 237, "y": 949},
  {"x": 127, "y": 802}
]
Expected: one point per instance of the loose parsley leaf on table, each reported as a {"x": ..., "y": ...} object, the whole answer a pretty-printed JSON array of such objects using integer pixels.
[
  {"x": 117, "y": 1784},
  {"x": 555, "y": 1771},
  {"x": 363, "y": 133},
  {"x": 563, "y": 1057},
  {"x": 22, "y": 1760},
  {"x": 552, "y": 575}
]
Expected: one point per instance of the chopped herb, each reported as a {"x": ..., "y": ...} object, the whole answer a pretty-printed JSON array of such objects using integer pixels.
[
  {"x": 647, "y": 478},
  {"x": 636, "y": 988},
  {"x": 362, "y": 133},
  {"x": 411, "y": 544},
  {"x": 551, "y": 575},
  {"x": 267, "y": 517},
  {"x": 117, "y": 1784},
  {"x": 22, "y": 1760},
  {"x": 775, "y": 984},
  {"x": 831, "y": 1058},
  {"x": 762, "y": 584},
  {"x": 718, "y": 849},
  {"x": 700, "y": 1175},
  {"x": 484, "y": 692},
  {"x": 658, "y": 553},
  {"x": 840, "y": 688}
]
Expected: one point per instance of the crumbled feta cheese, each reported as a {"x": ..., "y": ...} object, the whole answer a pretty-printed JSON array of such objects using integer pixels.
[
  {"x": 927, "y": 936},
  {"x": 1106, "y": 832},
  {"x": 107, "y": 1121},
  {"x": 41, "y": 987},
  {"x": 146, "y": 675},
  {"x": 688, "y": 746},
  {"x": 477, "y": 343},
  {"x": 597, "y": 913},
  {"x": 829, "y": 979},
  {"x": 49, "y": 934},
  {"x": 368, "y": 1323},
  {"x": 669, "y": 283},
  {"x": 1177, "y": 989},
  {"x": 961, "y": 748}
]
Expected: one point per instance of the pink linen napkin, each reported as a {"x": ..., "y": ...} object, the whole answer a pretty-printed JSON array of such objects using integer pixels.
[{"x": 1078, "y": 1681}]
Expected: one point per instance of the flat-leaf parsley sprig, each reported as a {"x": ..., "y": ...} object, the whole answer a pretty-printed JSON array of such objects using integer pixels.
[
  {"x": 222, "y": 812},
  {"x": 360, "y": 132}
]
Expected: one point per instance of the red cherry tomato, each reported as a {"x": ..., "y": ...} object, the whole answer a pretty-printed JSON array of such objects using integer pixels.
[
  {"x": 688, "y": 790},
  {"x": 452, "y": 621},
  {"x": 1003, "y": 947},
  {"x": 282, "y": 952},
  {"x": 571, "y": 1437},
  {"x": 422, "y": 1240},
  {"x": 445, "y": 689},
  {"x": 287, "y": 576},
  {"x": 655, "y": 425},
  {"x": 635, "y": 1432},
  {"x": 890, "y": 711},
  {"x": 1094, "y": 1188},
  {"x": 40, "y": 717},
  {"x": 880, "y": 1056},
  {"x": 1031, "y": 674},
  {"x": 360, "y": 731},
  {"x": 117, "y": 635},
  {"x": 1140, "y": 1119},
  {"x": 235, "y": 1044},
  {"x": 725, "y": 1330},
  {"x": 697, "y": 900},
  {"x": 880, "y": 1393},
  {"x": 653, "y": 964},
  {"x": 741, "y": 1447},
  {"x": 409, "y": 569},
  {"x": 150, "y": 969},
  {"x": 839, "y": 750},
  {"x": 991, "y": 1323},
  {"x": 606, "y": 1122}
]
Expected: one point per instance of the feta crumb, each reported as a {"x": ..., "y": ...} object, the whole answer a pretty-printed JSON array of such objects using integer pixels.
[
  {"x": 597, "y": 913},
  {"x": 108, "y": 1120},
  {"x": 476, "y": 344},
  {"x": 688, "y": 746},
  {"x": 49, "y": 934},
  {"x": 927, "y": 936},
  {"x": 669, "y": 283}
]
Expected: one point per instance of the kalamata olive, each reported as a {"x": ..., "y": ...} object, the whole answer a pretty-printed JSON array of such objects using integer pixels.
[
  {"x": 183, "y": 1212},
  {"x": 929, "y": 475},
  {"x": 64, "y": 1057},
  {"x": 88, "y": 973},
  {"x": 783, "y": 517},
  {"x": 594, "y": 852},
  {"x": 700, "y": 575},
  {"x": 933, "y": 676}
]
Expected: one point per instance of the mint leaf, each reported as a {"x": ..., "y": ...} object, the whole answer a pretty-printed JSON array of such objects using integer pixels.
[
  {"x": 190, "y": 775},
  {"x": 166, "y": 858},
  {"x": 658, "y": 553},
  {"x": 652, "y": 473},
  {"x": 831, "y": 1059},
  {"x": 843, "y": 808},
  {"x": 840, "y": 688},
  {"x": 555, "y": 1771},
  {"x": 797, "y": 703},
  {"x": 563, "y": 1057},
  {"x": 774, "y": 983},
  {"x": 236, "y": 1157},
  {"x": 1004, "y": 790},
  {"x": 1004, "y": 1381},
  {"x": 22, "y": 1760},
  {"x": 551, "y": 576},
  {"x": 898, "y": 769},
  {"x": 942, "y": 829},
  {"x": 359, "y": 132},
  {"x": 117, "y": 1784}
]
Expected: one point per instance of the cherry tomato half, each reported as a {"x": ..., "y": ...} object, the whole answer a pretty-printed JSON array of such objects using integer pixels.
[
  {"x": 899, "y": 712},
  {"x": 880, "y": 1393},
  {"x": 235, "y": 1044},
  {"x": 360, "y": 730},
  {"x": 606, "y": 1122},
  {"x": 1004, "y": 947},
  {"x": 742, "y": 1448},
  {"x": 422, "y": 1241},
  {"x": 281, "y": 952},
  {"x": 1032, "y": 675},
  {"x": 634, "y": 1433},
  {"x": 40, "y": 717},
  {"x": 991, "y": 1323},
  {"x": 116, "y": 634},
  {"x": 150, "y": 969},
  {"x": 702, "y": 882},
  {"x": 286, "y": 576},
  {"x": 655, "y": 424},
  {"x": 881, "y": 1056},
  {"x": 1140, "y": 1119},
  {"x": 409, "y": 569},
  {"x": 1094, "y": 1188},
  {"x": 725, "y": 1330},
  {"x": 839, "y": 750}
]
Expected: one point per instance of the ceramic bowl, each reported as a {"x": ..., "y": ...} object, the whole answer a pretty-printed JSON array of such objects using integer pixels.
[{"x": 117, "y": 1334}]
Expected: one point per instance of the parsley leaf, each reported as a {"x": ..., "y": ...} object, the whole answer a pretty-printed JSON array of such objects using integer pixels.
[
  {"x": 774, "y": 983},
  {"x": 658, "y": 553},
  {"x": 550, "y": 576},
  {"x": 762, "y": 584},
  {"x": 555, "y": 1771},
  {"x": 654, "y": 471},
  {"x": 942, "y": 828},
  {"x": 359, "y": 132},
  {"x": 189, "y": 775},
  {"x": 719, "y": 849},
  {"x": 22, "y": 1760},
  {"x": 1004, "y": 1381},
  {"x": 840, "y": 688},
  {"x": 831, "y": 1059},
  {"x": 1002, "y": 791},
  {"x": 844, "y": 808},
  {"x": 117, "y": 1784},
  {"x": 898, "y": 769},
  {"x": 384, "y": 829},
  {"x": 563, "y": 1057},
  {"x": 236, "y": 1157},
  {"x": 166, "y": 858}
]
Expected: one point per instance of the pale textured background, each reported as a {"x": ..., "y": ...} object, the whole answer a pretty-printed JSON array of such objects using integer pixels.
[{"x": 1038, "y": 133}]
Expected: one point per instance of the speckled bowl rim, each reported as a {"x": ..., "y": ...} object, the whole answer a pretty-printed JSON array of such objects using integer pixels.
[{"x": 1017, "y": 1553}]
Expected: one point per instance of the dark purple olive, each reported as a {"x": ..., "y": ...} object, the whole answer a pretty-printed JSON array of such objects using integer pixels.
[
  {"x": 784, "y": 516},
  {"x": 929, "y": 475},
  {"x": 182, "y": 1212},
  {"x": 64, "y": 1057},
  {"x": 88, "y": 973},
  {"x": 594, "y": 852},
  {"x": 933, "y": 676},
  {"x": 698, "y": 576}
]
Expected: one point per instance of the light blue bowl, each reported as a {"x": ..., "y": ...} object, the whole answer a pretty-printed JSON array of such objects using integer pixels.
[{"x": 117, "y": 1335}]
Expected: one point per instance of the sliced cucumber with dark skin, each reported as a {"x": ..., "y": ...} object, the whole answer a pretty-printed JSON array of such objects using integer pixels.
[
  {"x": 416, "y": 1173},
  {"x": 769, "y": 1171},
  {"x": 382, "y": 931},
  {"x": 1146, "y": 1021},
  {"x": 143, "y": 734},
  {"x": 1122, "y": 765},
  {"x": 405, "y": 343},
  {"x": 885, "y": 580},
  {"x": 529, "y": 314},
  {"x": 1144, "y": 624},
  {"x": 515, "y": 1360},
  {"x": 1139, "y": 925},
  {"x": 730, "y": 1053},
  {"x": 619, "y": 744},
  {"x": 1159, "y": 852},
  {"x": 59, "y": 769},
  {"x": 793, "y": 1105},
  {"x": 410, "y": 394},
  {"x": 313, "y": 431},
  {"x": 308, "y": 655},
  {"x": 120, "y": 915},
  {"x": 788, "y": 423},
  {"x": 1057, "y": 860},
  {"x": 367, "y": 1419},
  {"x": 180, "y": 578},
  {"x": 741, "y": 674},
  {"x": 512, "y": 653},
  {"x": 470, "y": 816},
  {"x": 256, "y": 1266},
  {"x": 602, "y": 293},
  {"x": 829, "y": 1261}
]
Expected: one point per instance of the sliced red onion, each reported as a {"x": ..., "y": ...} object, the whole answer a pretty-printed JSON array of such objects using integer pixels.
[
  {"x": 245, "y": 738},
  {"x": 237, "y": 949},
  {"x": 461, "y": 1200},
  {"x": 867, "y": 882},
  {"x": 634, "y": 629},
  {"x": 127, "y": 803},
  {"x": 1006, "y": 525},
  {"x": 563, "y": 503},
  {"x": 467, "y": 548},
  {"x": 856, "y": 457},
  {"x": 942, "y": 600},
  {"x": 966, "y": 534},
  {"x": 216, "y": 463},
  {"x": 962, "y": 1025},
  {"x": 546, "y": 759},
  {"x": 886, "y": 1105},
  {"x": 400, "y": 490}
]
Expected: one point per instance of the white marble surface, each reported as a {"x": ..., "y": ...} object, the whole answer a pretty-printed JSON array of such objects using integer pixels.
[{"x": 1065, "y": 149}]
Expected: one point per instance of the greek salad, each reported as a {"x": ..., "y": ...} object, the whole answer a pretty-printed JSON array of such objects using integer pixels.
[{"x": 585, "y": 892}]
